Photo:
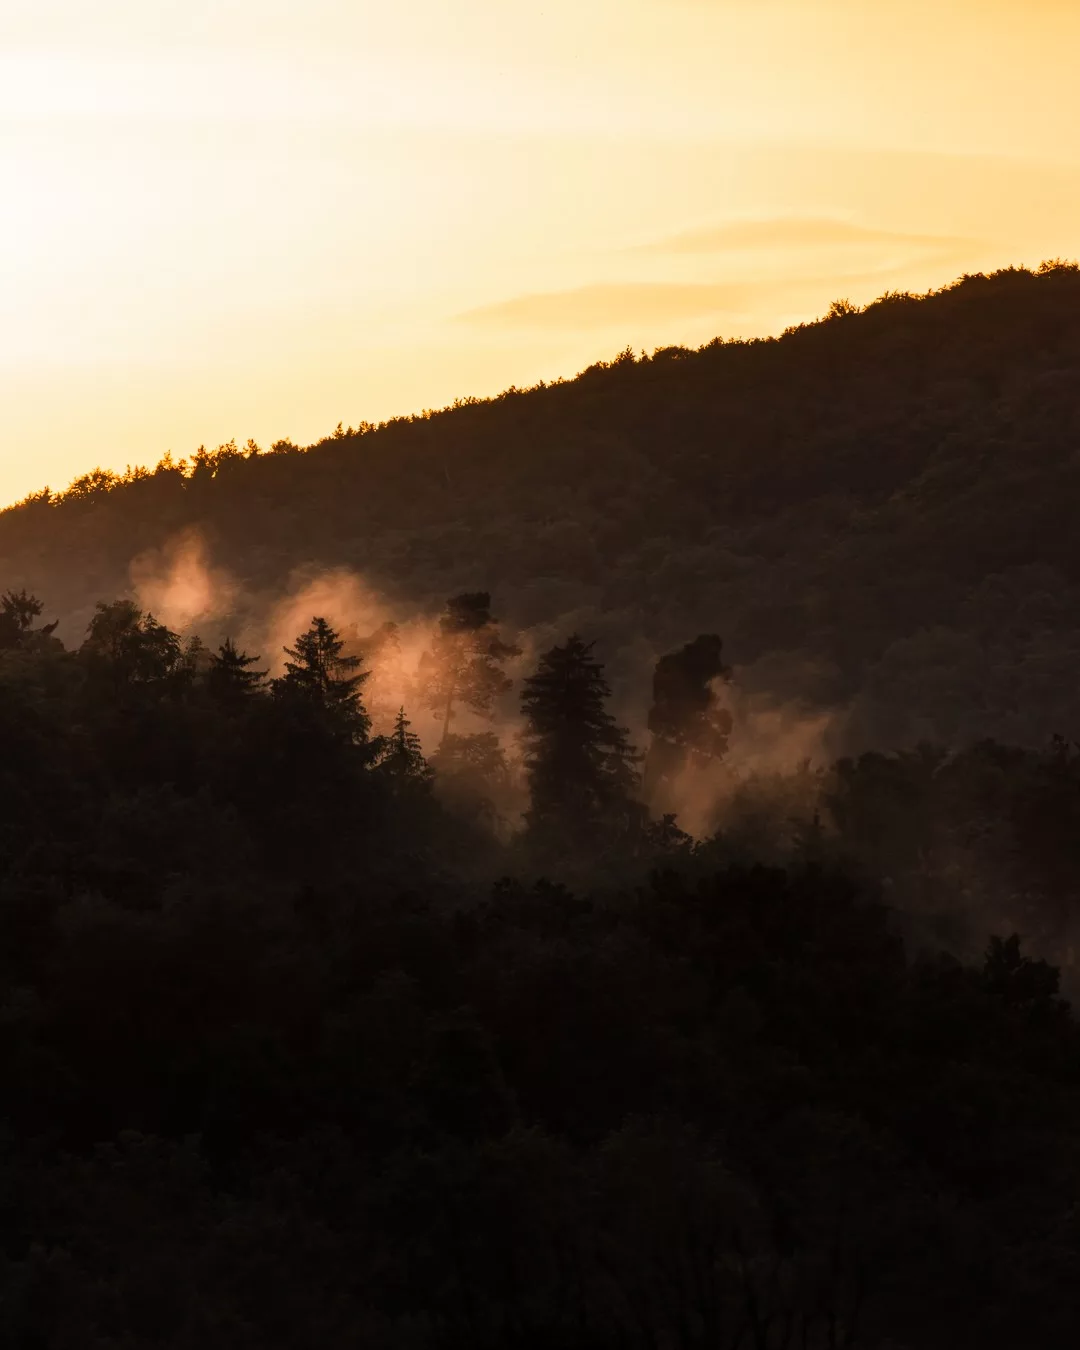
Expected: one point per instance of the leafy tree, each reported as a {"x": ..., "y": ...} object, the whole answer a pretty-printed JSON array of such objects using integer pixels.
[
  {"x": 666, "y": 837},
  {"x": 319, "y": 676},
  {"x": 579, "y": 763},
  {"x": 382, "y": 655},
  {"x": 229, "y": 677},
  {"x": 689, "y": 723},
  {"x": 465, "y": 662},
  {"x": 18, "y": 610},
  {"x": 472, "y": 776},
  {"x": 1020, "y": 982},
  {"x": 132, "y": 647}
]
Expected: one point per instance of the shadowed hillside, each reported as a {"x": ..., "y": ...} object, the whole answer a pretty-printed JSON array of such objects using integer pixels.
[
  {"x": 876, "y": 511},
  {"x": 376, "y": 986}
]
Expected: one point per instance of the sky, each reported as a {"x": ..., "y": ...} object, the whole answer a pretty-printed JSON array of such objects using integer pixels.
[{"x": 258, "y": 218}]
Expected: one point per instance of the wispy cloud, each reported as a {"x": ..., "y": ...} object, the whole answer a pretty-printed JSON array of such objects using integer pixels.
[
  {"x": 619, "y": 304},
  {"x": 796, "y": 233},
  {"x": 796, "y": 260},
  {"x": 604, "y": 305}
]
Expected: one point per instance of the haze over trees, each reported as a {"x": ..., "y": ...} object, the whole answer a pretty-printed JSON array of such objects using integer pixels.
[
  {"x": 688, "y": 722},
  {"x": 280, "y": 1053},
  {"x": 465, "y": 663},
  {"x": 308, "y": 1037},
  {"x": 875, "y": 512}
]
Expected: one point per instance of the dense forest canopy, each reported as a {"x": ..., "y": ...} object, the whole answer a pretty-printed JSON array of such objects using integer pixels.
[
  {"x": 297, "y": 1041},
  {"x": 875, "y": 510},
  {"x": 476, "y": 967}
]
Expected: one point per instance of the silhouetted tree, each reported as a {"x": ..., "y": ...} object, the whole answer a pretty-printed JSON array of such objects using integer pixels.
[
  {"x": 230, "y": 678},
  {"x": 579, "y": 762},
  {"x": 689, "y": 723},
  {"x": 1020, "y": 982},
  {"x": 18, "y": 610},
  {"x": 465, "y": 660},
  {"x": 402, "y": 757},
  {"x": 132, "y": 647},
  {"x": 320, "y": 676},
  {"x": 665, "y": 836}
]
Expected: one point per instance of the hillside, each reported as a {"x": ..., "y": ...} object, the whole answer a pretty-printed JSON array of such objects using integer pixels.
[
  {"x": 876, "y": 511},
  {"x": 313, "y": 1032}
]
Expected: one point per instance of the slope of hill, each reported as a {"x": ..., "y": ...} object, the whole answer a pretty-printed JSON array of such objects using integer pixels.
[{"x": 876, "y": 511}]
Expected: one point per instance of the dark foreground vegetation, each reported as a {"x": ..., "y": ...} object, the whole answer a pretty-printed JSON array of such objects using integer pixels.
[
  {"x": 878, "y": 511},
  {"x": 285, "y": 1063}
]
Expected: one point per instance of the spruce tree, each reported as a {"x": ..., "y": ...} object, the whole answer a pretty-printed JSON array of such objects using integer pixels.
[
  {"x": 580, "y": 765},
  {"x": 402, "y": 758},
  {"x": 229, "y": 678},
  {"x": 319, "y": 676}
]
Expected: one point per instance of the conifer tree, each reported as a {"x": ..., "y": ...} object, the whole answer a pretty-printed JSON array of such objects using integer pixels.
[
  {"x": 579, "y": 763},
  {"x": 319, "y": 675},
  {"x": 402, "y": 756},
  {"x": 229, "y": 678}
]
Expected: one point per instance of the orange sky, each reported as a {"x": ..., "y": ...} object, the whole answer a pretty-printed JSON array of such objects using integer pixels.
[{"x": 257, "y": 217}]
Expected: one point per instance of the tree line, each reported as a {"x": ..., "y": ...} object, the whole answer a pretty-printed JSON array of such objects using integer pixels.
[{"x": 584, "y": 780}]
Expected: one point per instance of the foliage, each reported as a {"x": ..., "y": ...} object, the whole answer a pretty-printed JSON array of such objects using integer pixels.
[
  {"x": 17, "y": 614},
  {"x": 465, "y": 662},
  {"x": 283, "y": 1061},
  {"x": 689, "y": 723},
  {"x": 307, "y": 1041},
  {"x": 876, "y": 509},
  {"x": 321, "y": 676},
  {"x": 579, "y": 763},
  {"x": 402, "y": 757},
  {"x": 229, "y": 677}
]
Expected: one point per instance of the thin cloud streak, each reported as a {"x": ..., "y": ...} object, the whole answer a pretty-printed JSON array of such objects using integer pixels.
[
  {"x": 795, "y": 232},
  {"x": 620, "y": 303},
  {"x": 601, "y": 305}
]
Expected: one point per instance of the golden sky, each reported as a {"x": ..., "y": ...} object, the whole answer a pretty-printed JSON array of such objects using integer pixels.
[{"x": 259, "y": 217}]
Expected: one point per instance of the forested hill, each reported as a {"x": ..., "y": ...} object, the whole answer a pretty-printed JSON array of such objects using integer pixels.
[{"x": 877, "y": 511}]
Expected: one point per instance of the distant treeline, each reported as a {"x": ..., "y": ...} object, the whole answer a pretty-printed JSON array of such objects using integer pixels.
[{"x": 876, "y": 510}]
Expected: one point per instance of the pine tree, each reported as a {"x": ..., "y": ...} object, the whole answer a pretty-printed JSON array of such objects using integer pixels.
[
  {"x": 229, "y": 678},
  {"x": 319, "y": 676},
  {"x": 402, "y": 756},
  {"x": 580, "y": 765},
  {"x": 465, "y": 660}
]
